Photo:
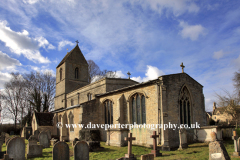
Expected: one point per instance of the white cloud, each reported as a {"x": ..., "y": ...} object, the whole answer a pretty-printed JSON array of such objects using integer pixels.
[
  {"x": 119, "y": 74},
  {"x": 64, "y": 43},
  {"x": 151, "y": 73},
  {"x": 178, "y": 7},
  {"x": 20, "y": 43},
  {"x": 218, "y": 54},
  {"x": 7, "y": 62},
  {"x": 191, "y": 31},
  {"x": 42, "y": 42},
  {"x": 4, "y": 77},
  {"x": 30, "y": 1}
]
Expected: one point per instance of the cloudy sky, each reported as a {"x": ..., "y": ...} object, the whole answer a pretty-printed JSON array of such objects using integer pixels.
[{"x": 147, "y": 38}]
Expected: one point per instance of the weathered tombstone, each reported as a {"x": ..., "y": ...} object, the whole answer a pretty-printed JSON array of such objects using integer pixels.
[
  {"x": 130, "y": 139},
  {"x": 155, "y": 151},
  {"x": 11, "y": 132},
  {"x": 81, "y": 151},
  {"x": 43, "y": 139},
  {"x": 235, "y": 138},
  {"x": 36, "y": 133},
  {"x": 49, "y": 134},
  {"x": 32, "y": 140},
  {"x": 8, "y": 140},
  {"x": 60, "y": 151},
  {"x": 33, "y": 149},
  {"x": 182, "y": 138},
  {"x": 147, "y": 157},
  {"x": 16, "y": 148},
  {"x": 217, "y": 151}
]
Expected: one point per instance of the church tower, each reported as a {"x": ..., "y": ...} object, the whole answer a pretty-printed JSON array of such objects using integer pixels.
[{"x": 71, "y": 74}]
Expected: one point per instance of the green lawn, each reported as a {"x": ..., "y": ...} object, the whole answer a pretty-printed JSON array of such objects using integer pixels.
[{"x": 194, "y": 151}]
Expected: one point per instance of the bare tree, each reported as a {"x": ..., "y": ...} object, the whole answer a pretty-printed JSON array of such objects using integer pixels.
[
  {"x": 96, "y": 74},
  {"x": 230, "y": 104},
  {"x": 93, "y": 70},
  {"x": 41, "y": 87},
  {"x": 13, "y": 98}
]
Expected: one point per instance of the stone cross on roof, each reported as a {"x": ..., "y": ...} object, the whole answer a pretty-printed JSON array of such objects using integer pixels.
[
  {"x": 129, "y": 139},
  {"x": 182, "y": 67},
  {"x": 155, "y": 151},
  {"x": 129, "y": 75},
  {"x": 77, "y": 42}
]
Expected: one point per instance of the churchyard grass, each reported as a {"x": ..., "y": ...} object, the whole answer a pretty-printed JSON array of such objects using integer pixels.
[{"x": 195, "y": 151}]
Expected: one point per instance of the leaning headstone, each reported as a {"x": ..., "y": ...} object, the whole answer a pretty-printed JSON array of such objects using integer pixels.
[
  {"x": 49, "y": 134},
  {"x": 43, "y": 139},
  {"x": 235, "y": 139},
  {"x": 60, "y": 151},
  {"x": 81, "y": 151},
  {"x": 217, "y": 151},
  {"x": 147, "y": 157},
  {"x": 16, "y": 148}
]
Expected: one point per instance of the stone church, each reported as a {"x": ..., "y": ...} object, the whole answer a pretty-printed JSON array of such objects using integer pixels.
[{"x": 175, "y": 98}]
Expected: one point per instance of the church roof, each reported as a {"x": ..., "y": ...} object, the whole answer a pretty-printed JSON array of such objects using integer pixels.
[
  {"x": 44, "y": 119},
  {"x": 77, "y": 50}
]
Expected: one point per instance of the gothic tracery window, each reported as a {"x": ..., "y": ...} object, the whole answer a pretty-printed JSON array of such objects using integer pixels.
[
  {"x": 185, "y": 107},
  {"x": 108, "y": 110},
  {"x": 76, "y": 73},
  {"x": 138, "y": 108}
]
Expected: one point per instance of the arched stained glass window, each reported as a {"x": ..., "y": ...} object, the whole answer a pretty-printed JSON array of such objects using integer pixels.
[
  {"x": 138, "y": 109},
  {"x": 185, "y": 107},
  {"x": 108, "y": 110},
  {"x": 76, "y": 73}
]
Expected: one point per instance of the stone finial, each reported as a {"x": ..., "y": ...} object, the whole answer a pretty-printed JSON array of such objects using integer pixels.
[
  {"x": 182, "y": 67},
  {"x": 77, "y": 42}
]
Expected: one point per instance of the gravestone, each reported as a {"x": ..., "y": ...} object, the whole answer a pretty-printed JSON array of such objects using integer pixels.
[
  {"x": 32, "y": 140},
  {"x": 182, "y": 138},
  {"x": 49, "y": 134},
  {"x": 147, "y": 157},
  {"x": 34, "y": 150},
  {"x": 235, "y": 139},
  {"x": 16, "y": 148},
  {"x": 155, "y": 151},
  {"x": 36, "y": 133},
  {"x": 11, "y": 132},
  {"x": 217, "y": 151},
  {"x": 60, "y": 151},
  {"x": 130, "y": 139},
  {"x": 43, "y": 139},
  {"x": 81, "y": 151},
  {"x": 8, "y": 140}
]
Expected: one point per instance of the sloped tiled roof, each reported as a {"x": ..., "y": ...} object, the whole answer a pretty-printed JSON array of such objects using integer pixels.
[
  {"x": 75, "y": 49},
  {"x": 44, "y": 119}
]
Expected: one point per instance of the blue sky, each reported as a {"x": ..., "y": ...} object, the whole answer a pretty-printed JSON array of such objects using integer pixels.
[{"x": 147, "y": 38}]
